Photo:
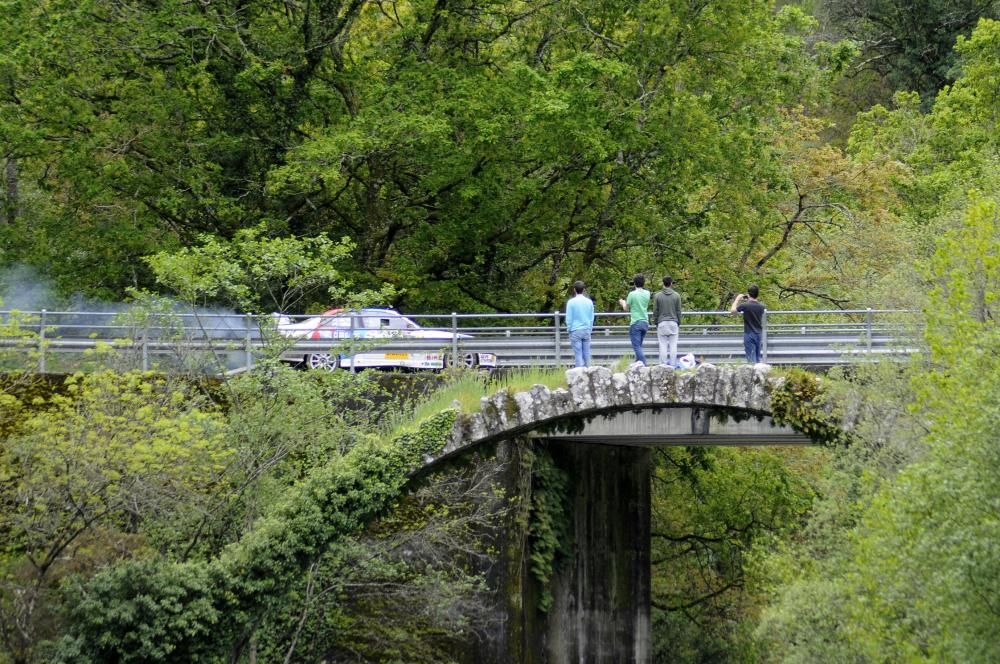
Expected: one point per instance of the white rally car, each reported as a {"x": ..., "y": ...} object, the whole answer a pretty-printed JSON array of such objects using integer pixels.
[{"x": 369, "y": 326}]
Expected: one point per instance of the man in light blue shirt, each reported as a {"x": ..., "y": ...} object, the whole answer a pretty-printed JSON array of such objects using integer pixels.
[{"x": 579, "y": 323}]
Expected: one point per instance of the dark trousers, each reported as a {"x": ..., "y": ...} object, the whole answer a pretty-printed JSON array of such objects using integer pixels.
[
  {"x": 751, "y": 345},
  {"x": 636, "y": 334}
]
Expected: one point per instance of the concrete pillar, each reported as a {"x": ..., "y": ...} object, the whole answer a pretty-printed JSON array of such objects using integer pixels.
[
  {"x": 600, "y": 611},
  {"x": 601, "y": 591}
]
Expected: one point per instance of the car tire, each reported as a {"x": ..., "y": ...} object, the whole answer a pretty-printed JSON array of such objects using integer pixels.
[
  {"x": 321, "y": 361},
  {"x": 468, "y": 360}
]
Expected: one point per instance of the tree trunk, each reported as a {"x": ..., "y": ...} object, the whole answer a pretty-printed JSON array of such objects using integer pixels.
[{"x": 10, "y": 208}]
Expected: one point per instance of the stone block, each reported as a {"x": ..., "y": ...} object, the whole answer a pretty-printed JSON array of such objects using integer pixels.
[
  {"x": 600, "y": 385},
  {"x": 621, "y": 394},
  {"x": 541, "y": 397},
  {"x": 525, "y": 408},
  {"x": 474, "y": 427},
  {"x": 489, "y": 414},
  {"x": 639, "y": 385},
  {"x": 501, "y": 407},
  {"x": 686, "y": 381},
  {"x": 663, "y": 384},
  {"x": 562, "y": 402},
  {"x": 760, "y": 388},
  {"x": 578, "y": 382},
  {"x": 742, "y": 386},
  {"x": 704, "y": 383}
]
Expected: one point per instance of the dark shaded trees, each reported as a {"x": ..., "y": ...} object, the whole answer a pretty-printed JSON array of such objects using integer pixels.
[{"x": 444, "y": 138}]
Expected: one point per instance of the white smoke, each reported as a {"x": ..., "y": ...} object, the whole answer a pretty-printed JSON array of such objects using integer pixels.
[{"x": 24, "y": 289}]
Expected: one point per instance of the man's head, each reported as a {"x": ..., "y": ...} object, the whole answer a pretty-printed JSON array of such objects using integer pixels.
[
  {"x": 667, "y": 281},
  {"x": 639, "y": 280},
  {"x": 579, "y": 287},
  {"x": 753, "y": 291}
]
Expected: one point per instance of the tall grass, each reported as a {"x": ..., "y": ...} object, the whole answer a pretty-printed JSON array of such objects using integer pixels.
[{"x": 467, "y": 389}]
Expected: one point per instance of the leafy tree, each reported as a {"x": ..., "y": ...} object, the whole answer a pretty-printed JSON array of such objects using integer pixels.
[
  {"x": 89, "y": 478},
  {"x": 711, "y": 508},
  {"x": 444, "y": 139},
  {"x": 255, "y": 272},
  {"x": 909, "y": 45},
  {"x": 149, "y": 611},
  {"x": 919, "y": 572}
]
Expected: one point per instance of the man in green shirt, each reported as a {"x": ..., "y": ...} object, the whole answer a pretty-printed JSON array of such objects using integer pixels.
[{"x": 637, "y": 304}]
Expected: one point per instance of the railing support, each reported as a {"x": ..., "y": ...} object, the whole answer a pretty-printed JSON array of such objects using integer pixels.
[
  {"x": 350, "y": 344},
  {"x": 145, "y": 347},
  {"x": 763, "y": 336},
  {"x": 249, "y": 340},
  {"x": 41, "y": 342},
  {"x": 868, "y": 330},
  {"x": 454, "y": 339},
  {"x": 558, "y": 337}
]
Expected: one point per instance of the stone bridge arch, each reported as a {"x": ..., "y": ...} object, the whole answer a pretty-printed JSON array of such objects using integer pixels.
[
  {"x": 599, "y": 431},
  {"x": 743, "y": 391}
]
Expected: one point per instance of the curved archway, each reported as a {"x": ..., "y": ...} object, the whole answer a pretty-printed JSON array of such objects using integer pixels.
[{"x": 712, "y": 405}]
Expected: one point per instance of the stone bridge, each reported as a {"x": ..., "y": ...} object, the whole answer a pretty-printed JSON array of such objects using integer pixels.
[
  {"x": 635, "y": 407},
  {"x": 598, "y": 432}
]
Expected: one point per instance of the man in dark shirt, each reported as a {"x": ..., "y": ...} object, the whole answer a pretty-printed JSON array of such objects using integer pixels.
[
  {"x": 753, "y": 321},
  {"x": 667, "y": 316}
]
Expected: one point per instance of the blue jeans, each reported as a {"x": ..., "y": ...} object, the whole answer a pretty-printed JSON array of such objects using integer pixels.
[
  {"x": 636, "y": 334},
  {"x": 751, "y": 345},
  {"x": 579, "y": 340}
]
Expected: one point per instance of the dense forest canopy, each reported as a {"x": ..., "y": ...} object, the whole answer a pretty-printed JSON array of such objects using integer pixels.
[
  {"x": 444, "y": 155},
  {"x": 442, "y": 138}
]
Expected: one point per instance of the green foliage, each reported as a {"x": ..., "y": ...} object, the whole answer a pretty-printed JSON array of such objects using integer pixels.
[
  {"x": 909, "y": 44},
  {"x": 711, "y": 510},
  {"x": 549, "y": 522},
  {"x": 255, "y": 272},
  {"x": 90, "y": 475},
  {"x": 332, "y": 502},
  {"x": 799, "y": 402},
  {"x": 442, "y": 140},
  {"x": 911, "y": 573}
]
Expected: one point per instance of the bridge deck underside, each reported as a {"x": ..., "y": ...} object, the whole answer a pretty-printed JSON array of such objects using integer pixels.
[{"x": 682, "y": 426}]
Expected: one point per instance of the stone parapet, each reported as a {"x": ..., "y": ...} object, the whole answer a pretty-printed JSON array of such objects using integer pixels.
[{"x": 592, "y": 390}]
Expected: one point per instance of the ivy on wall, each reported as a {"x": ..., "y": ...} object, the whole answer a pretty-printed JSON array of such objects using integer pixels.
[
  {"x": 200, "y": 611},
  {"x": 800, "y": 402},
  {"x": 549, "y": 522}
]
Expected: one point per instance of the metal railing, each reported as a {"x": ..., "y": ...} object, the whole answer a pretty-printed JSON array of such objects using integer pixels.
[{"x": 64, "y": 341}]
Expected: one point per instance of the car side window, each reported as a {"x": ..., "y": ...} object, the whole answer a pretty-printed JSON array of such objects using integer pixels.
[{"x": 337, "y": 321}]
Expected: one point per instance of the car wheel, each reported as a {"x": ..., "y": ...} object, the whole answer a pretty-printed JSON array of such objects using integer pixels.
[{"x": 324, "y": 361}]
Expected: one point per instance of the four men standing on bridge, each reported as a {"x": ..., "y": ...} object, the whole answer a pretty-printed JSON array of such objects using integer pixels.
[{"x": 666, "y": 315}]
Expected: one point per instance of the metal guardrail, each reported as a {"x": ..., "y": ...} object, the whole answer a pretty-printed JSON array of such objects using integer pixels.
[{"x": 62, "y": 341}]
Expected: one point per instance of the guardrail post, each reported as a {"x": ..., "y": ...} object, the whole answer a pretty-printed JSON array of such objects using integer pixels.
[
  {"x": 555, "y": 317},
  {"x": 763, "y": 336},
  {"x": 249, "y": 341},
  {"x": 868, "y": 330},
  {"x": 41, "y": 343},
  {"x": 454, "y": 339},
  {"x": 350, "y": 344},
  {"x": 145, "y": 347}
]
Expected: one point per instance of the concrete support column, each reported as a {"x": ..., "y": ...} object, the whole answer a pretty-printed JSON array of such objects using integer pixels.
[
  {"x": 601, "y": 608},
  {"x": 600, "y": 611}
]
